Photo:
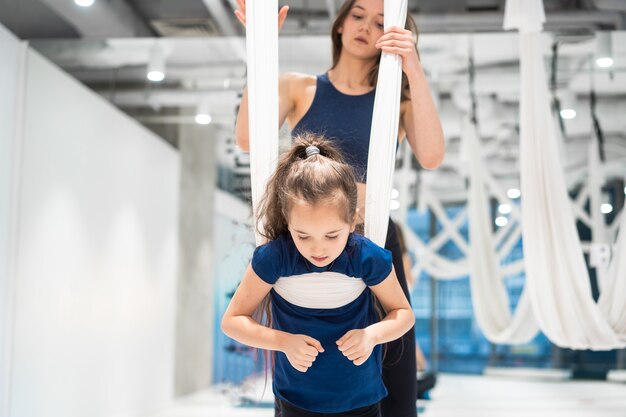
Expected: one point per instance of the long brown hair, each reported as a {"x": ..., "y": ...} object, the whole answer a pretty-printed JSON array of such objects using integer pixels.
[
  {"x": 342, "y": 14},
  {"x": 317, "y": 178}
]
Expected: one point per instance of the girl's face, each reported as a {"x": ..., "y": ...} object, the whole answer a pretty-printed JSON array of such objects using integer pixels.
[
  {"x": 319, "y": 231},
  {"x": 363, "y": 26}
]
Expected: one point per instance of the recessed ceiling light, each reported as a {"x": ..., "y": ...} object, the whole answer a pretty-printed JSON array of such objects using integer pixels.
[
  {"x": 513, "y": 193},
  {"x": 501, "y": 221},
  {"x": 84, "y": 3},
  {"x": 156, "y": 76},
  {"x": 606, "y": 208},
  {"x": 568, "y": 114},
  {"x": 504, "y": 208},
  {"x": 604, "y": 62},
  {"x": 203, "y": 119}
]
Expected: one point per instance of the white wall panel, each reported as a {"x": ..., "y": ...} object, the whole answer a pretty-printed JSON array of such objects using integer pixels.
[
  {"x": 96, "y": 265},
  {"x": 10, "y": 67}
]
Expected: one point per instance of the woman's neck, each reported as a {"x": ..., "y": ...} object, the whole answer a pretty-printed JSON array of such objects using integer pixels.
[{"x": 352, "y": 75}]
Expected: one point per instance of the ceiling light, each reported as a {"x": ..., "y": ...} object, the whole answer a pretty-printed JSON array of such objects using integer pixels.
[
  {"x": 568, "y": 114},
  {"x": 202, "y": 113},
  {"x": 394, "y": 194},
  {"x": 394, "y": 205},
  {"x": 156, "y": 64},
  {"x": 567, "y": 103},
  {"x": 84, "y": 3},
  {"x": 501, "y": 221},
  {"x": 513, "y": 193},
  {"x": 606, "y": 208},
  {"x": 604, "y": 49},
  {"x": 203, "y": 119},
  {"x": 604, "y": 62},
  {"x": 504, "y": 208}
]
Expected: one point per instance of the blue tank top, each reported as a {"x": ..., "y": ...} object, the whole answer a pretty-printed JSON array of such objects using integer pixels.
[{"x": 344, "y": 119}]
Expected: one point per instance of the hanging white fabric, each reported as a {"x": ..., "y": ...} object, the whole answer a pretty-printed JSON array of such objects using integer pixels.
[
  {"x": 489, "y": 295},
  {"x": 262, "y": 54},
  {"x": 384, "y": 133},
  {"x": 612, "y": 300},
  {"x": 556, "y": 274}
]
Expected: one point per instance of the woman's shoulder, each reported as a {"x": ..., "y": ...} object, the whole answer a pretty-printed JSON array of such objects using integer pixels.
[{"x": 298, "y": 80}]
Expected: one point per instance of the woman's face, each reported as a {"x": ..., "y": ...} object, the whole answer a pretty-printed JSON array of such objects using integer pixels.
[{"x": 362, "y": 27}]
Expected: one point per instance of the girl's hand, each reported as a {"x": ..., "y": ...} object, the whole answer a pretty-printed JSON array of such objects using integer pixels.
[
  {"x": 241, "y": 13},
  {"x": 400, "y": 41},
  {"x": 301, "y": 351},
  {"x": 357, "y": 345}
]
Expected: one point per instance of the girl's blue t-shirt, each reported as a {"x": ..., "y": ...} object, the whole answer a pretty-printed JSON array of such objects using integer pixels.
[{"x": 329, "y": 302}]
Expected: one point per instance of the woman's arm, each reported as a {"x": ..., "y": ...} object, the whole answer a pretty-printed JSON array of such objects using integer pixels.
[
  {"x": 357, "y": 345},
  {"x": 420, "y": 121},
  {"x": 419, "y": 118},
  {"x": 286, "y": 105}
]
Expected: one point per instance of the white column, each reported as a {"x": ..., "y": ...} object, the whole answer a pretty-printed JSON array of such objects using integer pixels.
[{"x": 194, "y": 323}]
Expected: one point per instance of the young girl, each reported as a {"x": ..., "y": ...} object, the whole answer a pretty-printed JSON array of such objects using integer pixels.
[
  {"x": 319, "y": 276},
  {"x": 339, "y": 104}
]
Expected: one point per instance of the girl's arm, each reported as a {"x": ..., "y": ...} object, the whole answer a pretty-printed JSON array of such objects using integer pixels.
[
  {"x": 238, "y": 324},
  {"x": 357, "y": 345},
  {"x": 419, "y": 118}
]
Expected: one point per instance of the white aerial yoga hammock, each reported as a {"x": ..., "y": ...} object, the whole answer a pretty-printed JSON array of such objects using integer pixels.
[
  {"x": 384, "y": 134},
  {"x": 489, "y": 295},
  {"x": 262, "y": 53},
  {"x": 556, "y": 273}
]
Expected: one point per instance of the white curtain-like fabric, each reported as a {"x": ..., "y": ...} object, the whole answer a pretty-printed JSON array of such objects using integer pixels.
[
  {"x": 262, "y": 55},
  {"x": 384, "y": 133},
  {"x": 612, "y": 300},
  {"x": 489, "y": 295},
  {"x": 556, "y": 273}
]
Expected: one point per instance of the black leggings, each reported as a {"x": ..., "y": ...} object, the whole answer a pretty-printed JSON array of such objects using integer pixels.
[
  {"x": 286, "y": 409},
  {"x": 399, "y": 367}
]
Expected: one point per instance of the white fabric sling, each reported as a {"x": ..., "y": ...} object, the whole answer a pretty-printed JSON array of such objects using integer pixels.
[
  {"x": 320, "y": 289},
  {"x": 384, "y": 133},
  {"x": 556, "y": 274},
  {"x": 262, "y": 55},
  {"x": 489, "y": 295}
]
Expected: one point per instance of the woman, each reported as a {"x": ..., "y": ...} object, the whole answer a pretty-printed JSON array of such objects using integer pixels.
[{"x": 339, "y": 105}]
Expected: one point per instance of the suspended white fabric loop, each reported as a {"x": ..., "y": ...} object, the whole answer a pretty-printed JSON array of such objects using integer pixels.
[
  {"x": 262, "y": 54},
  {"x": 489, "y": 295},
  {"x": 612, "y": 300},
  {"x": 384, "y": 133},
  {"x": 556, "y": 274}
]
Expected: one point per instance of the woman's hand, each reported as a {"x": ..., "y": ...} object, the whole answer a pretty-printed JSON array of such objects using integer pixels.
[
  {"x": 357, "y": 345},
  {"x": 400, "y": 41},
  {"x": 241, "y": 13},
  {"x": 301, "y": 350}
]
